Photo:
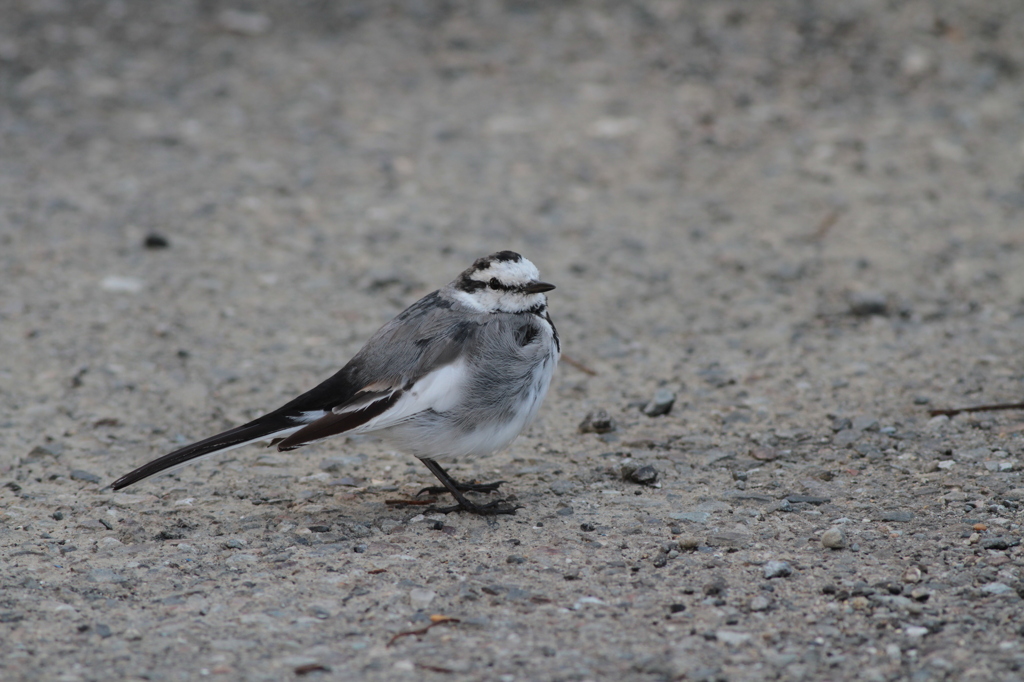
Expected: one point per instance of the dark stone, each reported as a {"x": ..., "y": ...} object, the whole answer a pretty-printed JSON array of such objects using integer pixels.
[
  {"x": 155, "y": 240},
  {"x": 841, "y": 423},
  {"x": 82, "y": 475},
  {"x": 169, "y": 535},
  {"x": 807, "y": 499},
  {"x": 645, "y": 475},
  {"x": 661, "y": 404},
  {"x": 597, "y": 421}
]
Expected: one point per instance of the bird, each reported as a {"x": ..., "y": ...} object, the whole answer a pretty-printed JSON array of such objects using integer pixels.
[{"x": 459, "y": 373}]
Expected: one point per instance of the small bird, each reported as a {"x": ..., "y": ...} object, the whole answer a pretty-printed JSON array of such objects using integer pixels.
[{"x": 458, "y": 373}]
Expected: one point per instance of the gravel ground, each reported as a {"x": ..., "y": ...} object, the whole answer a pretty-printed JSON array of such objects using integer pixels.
[{"x": 800, "y": 220}]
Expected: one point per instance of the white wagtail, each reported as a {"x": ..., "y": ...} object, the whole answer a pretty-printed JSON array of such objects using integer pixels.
[{"x": 458, "y": 373}]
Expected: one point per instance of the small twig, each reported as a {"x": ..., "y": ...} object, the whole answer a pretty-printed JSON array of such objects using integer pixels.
[
  {"x": 414, "y": 503},
  {"x": 311, "y": 668},
  {"x": 440, "y": 620},
  {"x": 572, "y": 362},
  {"x": 826, "y": 223},
  {"x": 976, "y": 408}
]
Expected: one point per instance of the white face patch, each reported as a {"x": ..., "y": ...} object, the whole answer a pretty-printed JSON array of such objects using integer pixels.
[
  {"x": 489, "y": 301},
  {"x": 509, "y": 273}
]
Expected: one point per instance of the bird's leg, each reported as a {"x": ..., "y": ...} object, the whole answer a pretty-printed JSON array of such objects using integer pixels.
[
  {"x": 456, "y": 490},
  {"x": 462, "y": 487}
]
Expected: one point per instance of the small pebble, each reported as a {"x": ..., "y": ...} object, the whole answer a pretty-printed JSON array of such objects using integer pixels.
[
  {"x": 729, "y": 539},
  {"x": 82, "y": 475},
  {"x": 833, "y": 538},
  {"x": 865, "y": 303},
  {"x": 764, "y": 454},
  {"x": 996, "y": 588},
  {"x": 732, "y": 638},
  {"x": 155, "y": 240},
  {"x": 912, "y": 575},
  {"x": 562, "y": 487},
  {"x": 864, "y": 423},
  {"x": 841, "y": 424},
  {"x": 691, "y": 516},
  {"x": 128, "y": 285},
  {"x": 920, "y": 594},
  {"x": 597, "y": 421},
  {"x": 645, "y": 475},
  {"x": 661, "y": 404},
  {"x": 689, "y": 543},
  {"x": 51, "y": 450},
  {"x": 759, "y": 603},
  {"x": 777, "y": 569},
  {"x": 420, "y": 598}
]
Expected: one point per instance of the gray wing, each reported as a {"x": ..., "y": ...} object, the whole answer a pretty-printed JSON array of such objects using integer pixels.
[{"x": 428, "y": 335}]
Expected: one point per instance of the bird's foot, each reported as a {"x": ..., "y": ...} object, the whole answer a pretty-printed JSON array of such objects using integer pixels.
[
  {"x": 490, "y": 509},
  {"x": 462, "y": 487}
]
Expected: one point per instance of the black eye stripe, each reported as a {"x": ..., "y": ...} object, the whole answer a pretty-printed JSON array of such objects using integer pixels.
[
  {"x": 495, "y": 284},
  {"x": 470, "y": 285}
]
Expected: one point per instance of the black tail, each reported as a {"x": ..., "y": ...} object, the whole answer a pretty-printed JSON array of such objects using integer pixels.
[{"x": 259, "y": 429}]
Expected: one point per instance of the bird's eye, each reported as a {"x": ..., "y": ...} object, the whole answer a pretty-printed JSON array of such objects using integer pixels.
[{"x": 494, "y": 283}]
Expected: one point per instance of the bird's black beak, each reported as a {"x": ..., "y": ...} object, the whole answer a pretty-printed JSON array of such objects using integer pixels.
[{"x": 538, "y": 287}]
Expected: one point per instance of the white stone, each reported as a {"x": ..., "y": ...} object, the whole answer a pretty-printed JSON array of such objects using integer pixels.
[{"x": 420, "y": 599}]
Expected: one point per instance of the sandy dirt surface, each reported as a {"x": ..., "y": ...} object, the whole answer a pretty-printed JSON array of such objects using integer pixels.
[{"x": 803, "y": 219}]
